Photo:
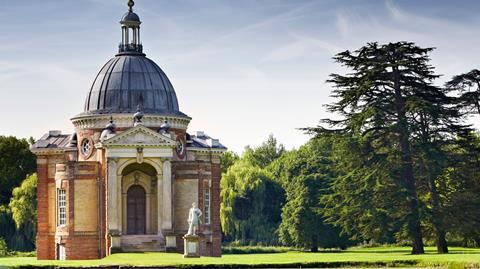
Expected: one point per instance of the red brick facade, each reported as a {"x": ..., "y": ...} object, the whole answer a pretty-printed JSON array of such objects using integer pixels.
[
  {"x": 78, "y": 244},
  {"x": 44, "y": 237}
]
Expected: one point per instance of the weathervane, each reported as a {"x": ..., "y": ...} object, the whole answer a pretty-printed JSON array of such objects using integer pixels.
[{"x": 130, "y": 5}]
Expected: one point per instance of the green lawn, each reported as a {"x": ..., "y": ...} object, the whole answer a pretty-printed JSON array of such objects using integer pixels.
[{"x": 385, "y": 256}]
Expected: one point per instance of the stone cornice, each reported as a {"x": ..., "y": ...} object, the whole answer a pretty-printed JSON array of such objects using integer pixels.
[
  {"x": 126, "y": 121},
  {"x": 207, "y": 150},
  {"x": 47, "y": 151},
  {"x": 51, "y": 151}
]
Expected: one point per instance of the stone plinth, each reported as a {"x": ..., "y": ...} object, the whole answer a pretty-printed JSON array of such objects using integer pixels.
[
  {"x": 191, "y": 246},
  {"x": 171, "y": 243},
  {"x": 115, "y": 242}
]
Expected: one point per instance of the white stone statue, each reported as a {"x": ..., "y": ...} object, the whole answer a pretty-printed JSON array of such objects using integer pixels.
[{"x": 194, "y": 221}]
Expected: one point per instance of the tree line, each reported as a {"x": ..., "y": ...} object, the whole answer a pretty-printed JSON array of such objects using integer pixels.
[
  {"x": 18, "y": 195},
  {"x": 397, "y": 163}
]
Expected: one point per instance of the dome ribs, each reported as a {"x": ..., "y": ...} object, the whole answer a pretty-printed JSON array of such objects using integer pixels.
[
  {"x": 121, "y": 103},
  {"x": 87, "y": 102},
  {"x": 167, "y": 87},
  {"x": 149, "y": 80},
  {"x": 103, "y": 93},
  {"x": 123, "y": 80}
]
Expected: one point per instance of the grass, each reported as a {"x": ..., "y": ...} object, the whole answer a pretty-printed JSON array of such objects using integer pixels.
[{"x": 358, "y": 257}]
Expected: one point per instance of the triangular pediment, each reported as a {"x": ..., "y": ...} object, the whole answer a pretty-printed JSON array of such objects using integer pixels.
[{"x": 139, "y": 136}]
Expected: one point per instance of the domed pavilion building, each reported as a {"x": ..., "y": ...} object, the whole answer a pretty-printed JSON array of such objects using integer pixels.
[{"x": 126, "y": 179}]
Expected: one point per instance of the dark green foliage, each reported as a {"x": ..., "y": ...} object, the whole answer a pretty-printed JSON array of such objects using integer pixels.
[
  {"x": 404, "y": 160},
  {"x": 305, "y": 174},
  {"x": 468, "y": 85},
  {"x": 264, "y": 154},
  {"x": 23, "y": 206},
  {"x": 459, "y": 186},
  {"x": 436, "y": 128},
  {"x": 251, "y": 199},
  {"x": 16, "y": 162},
  {"x": 363, "y": 199},
  {"x": 461, "y": 181},
  {"x": 247, "y": 212},
  {"x": 22, "y": 239},
  {"x": 24, "y": 202},
  {"x": 253, "y": 249},
  {"x": 228, "y": 159},
  {"x": 3, "y": 248},
  {"x": 389, "y": 102}
]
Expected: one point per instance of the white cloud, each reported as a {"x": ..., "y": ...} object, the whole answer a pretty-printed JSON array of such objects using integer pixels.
[
  {"x": 217, "y": 44},
  {"x": 304, "y": 47},
  {"x": 342, "y": 25}
]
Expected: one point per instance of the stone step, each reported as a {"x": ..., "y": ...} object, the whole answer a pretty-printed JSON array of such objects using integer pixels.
[
  {"x": 142, "y": 243},
  {"x": 142, "y": 249}
]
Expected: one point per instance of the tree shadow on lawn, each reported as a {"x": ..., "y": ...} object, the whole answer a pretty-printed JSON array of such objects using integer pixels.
[
  {"x": 356, "y": 250},
  {"x": 408, "y": 251}
]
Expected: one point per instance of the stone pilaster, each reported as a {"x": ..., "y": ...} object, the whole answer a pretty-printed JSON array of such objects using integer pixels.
[
  {"x": 113, "y": 225},
  {"x": 159, "y": 203},
  {"x": 167, "y": 196}
]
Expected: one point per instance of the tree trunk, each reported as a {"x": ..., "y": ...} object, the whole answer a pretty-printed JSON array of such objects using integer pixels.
[
  {"x": 442, "y": 246},
  {"x": 413, "y": 217},
  {"x": 437, "y": 219},
  {"x": 314, "y": 245}
]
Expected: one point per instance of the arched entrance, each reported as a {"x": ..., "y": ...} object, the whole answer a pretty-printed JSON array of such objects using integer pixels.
[
  {"x": 139, "y": 199},
  {"x": 136, "y": 210}
]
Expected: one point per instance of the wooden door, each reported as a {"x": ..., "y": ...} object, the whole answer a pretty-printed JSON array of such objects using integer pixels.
[{"x": 136, "y": 210}]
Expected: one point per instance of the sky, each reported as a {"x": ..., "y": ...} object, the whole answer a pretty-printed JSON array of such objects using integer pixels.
[{"x": 241, "y": 69}]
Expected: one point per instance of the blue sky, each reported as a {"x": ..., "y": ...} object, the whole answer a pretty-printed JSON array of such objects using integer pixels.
[{"x": 241, "y": 69}]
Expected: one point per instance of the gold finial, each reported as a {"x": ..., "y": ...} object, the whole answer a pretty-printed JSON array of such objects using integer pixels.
[{"x": 130, "y": 5}]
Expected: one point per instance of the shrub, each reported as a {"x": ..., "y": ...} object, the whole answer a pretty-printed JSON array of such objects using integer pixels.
[
  {"x": 3, "y": 248},
  {"x": 253, "y": 249},
  {"x": 22, "y": 254}
]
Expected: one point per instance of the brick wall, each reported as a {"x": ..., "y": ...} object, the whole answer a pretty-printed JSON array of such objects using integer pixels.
[
  {"x": 80, "y": 243},
  {"x": 85, "y": 241},
  {"x": 81, "y": 247},
  {"x": 215, "y": 210},
  {"x": 45, "y": 249}
]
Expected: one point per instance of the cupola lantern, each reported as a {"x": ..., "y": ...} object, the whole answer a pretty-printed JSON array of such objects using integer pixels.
[{"x": 130, "y": 32}]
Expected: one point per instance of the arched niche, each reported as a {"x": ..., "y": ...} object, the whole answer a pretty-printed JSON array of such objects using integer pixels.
[{"x": 157, "y": 165}]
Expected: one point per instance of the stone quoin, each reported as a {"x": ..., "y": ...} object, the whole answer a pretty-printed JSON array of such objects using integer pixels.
[{"x": 125, "y": 179}]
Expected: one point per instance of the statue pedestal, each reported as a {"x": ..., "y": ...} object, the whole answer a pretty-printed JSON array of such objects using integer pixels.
[
  {"x": 191, "y": 246},
  {"x": 115, "y": 242}
]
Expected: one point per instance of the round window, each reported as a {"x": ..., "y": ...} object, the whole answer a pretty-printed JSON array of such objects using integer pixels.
[
  {"x": 180, "y": 149},
  {"x": 86, "y": 147}
]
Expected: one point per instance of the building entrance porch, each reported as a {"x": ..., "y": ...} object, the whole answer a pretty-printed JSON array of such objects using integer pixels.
[
  {"x": 139, "y": 200},
  {"x": 141, "y": 204}
]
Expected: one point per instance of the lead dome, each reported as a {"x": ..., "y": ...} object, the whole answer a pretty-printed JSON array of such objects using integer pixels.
[
  {"x": 131, "y": 17},
  {"x": 127, "y": 81}
]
